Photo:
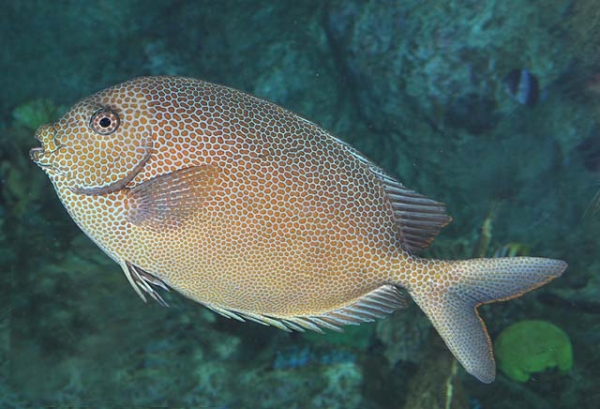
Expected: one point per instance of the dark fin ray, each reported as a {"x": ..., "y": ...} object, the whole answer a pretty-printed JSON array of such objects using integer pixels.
[
  {"x": 452, "y": 308},
  {"x": 143, "y": 282},
  {"x": 167, "y": 200},
  {"x": 420, "y": 219}
]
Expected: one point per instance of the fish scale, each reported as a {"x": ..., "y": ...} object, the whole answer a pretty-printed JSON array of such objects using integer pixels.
[{"x": 259, "y": 214}]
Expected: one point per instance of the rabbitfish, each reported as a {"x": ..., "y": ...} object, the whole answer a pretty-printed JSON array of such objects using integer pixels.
[{"x": 259, "y": 214}]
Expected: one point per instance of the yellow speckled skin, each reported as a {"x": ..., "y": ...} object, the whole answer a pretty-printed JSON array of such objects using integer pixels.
[{"x": 250, "y": 209}]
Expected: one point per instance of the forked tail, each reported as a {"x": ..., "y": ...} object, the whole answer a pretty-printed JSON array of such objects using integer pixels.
[{"x": 451, "y": 297}]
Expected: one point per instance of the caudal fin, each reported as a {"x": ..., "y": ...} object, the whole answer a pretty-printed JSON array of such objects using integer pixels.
[{"x": 451, "y": 302}]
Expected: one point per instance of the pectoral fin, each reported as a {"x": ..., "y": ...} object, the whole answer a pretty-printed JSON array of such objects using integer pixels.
[{"x": 168, "y": 200}]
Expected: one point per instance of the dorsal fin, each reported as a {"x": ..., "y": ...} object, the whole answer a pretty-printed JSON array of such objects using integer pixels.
[
  {"x": 375, "y": 304},
  {"x": 419, "y": 218}
]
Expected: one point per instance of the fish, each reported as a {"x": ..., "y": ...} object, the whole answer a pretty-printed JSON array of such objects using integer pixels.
[
  {"x": 522, "y": 86},
  {"x": 260, "y": 214}
]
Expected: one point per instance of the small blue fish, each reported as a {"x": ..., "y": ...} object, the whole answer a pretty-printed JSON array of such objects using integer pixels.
[{"x": 522, "y": 86}]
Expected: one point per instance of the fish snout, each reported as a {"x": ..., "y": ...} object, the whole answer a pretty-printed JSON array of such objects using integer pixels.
[{"x": 46, "y": 135}]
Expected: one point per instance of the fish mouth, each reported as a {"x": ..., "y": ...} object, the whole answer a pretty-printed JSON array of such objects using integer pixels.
[
  {"x": 42, "y": 155},
  {"x": 36, "y": 153}
]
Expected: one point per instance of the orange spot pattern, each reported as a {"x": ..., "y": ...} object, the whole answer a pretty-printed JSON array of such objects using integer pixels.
[{"x": 293, "y": 224}]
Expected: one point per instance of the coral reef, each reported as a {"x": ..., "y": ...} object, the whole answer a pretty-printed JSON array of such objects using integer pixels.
[
  {"x": 417, "y": 86},
  {"x": 297, "y": 357},
  {"x": 404, "y": 334},
  {"x": 436, "y": 385}
]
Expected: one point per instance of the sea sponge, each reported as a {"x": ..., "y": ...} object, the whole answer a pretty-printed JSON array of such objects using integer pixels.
[{"x": 532, "y": 346}]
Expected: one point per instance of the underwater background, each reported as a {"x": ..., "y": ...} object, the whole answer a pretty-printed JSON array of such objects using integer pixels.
[{"x": 489, "y": 106}]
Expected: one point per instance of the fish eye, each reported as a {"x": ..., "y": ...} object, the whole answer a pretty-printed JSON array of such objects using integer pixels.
[{"x": 104, "y": 121}]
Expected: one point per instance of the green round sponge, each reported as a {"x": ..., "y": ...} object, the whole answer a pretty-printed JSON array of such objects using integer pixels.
[{"x": 532, "y": 346}]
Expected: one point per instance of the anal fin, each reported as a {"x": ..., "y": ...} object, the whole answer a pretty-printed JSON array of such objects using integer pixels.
[{"x": 375, "y": 304}]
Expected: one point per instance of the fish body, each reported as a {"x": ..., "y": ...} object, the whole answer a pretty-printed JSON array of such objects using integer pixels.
[{"x": 259, "y": 214}]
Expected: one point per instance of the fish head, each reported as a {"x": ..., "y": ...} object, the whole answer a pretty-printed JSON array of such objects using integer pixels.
[{"x": 100, "y": 144}]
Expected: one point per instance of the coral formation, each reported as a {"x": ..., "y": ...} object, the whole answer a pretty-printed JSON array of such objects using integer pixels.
[
  {"x": 436, "y": 384},
  {"x": 532, "y": 346}
]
